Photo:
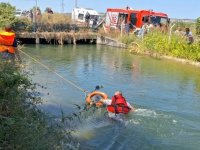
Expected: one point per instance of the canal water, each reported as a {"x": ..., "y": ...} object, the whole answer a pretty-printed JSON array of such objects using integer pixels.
[{"x": 166, "y": 95}]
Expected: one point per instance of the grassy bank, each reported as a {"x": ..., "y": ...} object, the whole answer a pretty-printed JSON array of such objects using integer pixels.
[
  {"x": 158, "y": 42},
  {"x": 22, "y": 124}
]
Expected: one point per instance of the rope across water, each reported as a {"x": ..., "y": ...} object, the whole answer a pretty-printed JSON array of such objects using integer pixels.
[{"x": 66, "y": 80}]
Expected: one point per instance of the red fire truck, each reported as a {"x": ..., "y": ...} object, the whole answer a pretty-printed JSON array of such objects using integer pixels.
[{"x": 116, "y": 17}]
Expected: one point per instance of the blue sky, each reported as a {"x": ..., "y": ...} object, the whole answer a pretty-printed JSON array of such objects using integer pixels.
[{"x": 188, "y": 9}]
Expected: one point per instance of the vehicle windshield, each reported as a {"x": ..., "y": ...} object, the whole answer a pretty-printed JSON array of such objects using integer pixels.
[
  {"x": 80, "y": 16},
  {"x": 158, "y": 20}
]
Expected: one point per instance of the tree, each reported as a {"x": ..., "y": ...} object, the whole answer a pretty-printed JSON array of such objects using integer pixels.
[
  {"x": 198, "y": 26},
  {"x": 7, "y": 15}
]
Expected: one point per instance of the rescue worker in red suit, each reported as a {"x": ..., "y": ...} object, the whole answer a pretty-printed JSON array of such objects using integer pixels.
[{"x": 117, "y": 106}]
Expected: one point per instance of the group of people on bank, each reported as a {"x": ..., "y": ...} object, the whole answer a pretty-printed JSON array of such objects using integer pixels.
[{"x": 149, "y": 27}]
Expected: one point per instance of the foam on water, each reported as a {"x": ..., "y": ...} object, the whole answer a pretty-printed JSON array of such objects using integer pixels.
[
  {"x": 132, "y": 121},
  {"x": 86, "y": 127},
  {"x": 145, "y": 113}
]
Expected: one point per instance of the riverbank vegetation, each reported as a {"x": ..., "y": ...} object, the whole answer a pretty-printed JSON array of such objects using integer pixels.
[
  {"x": 6, "y": 14},
  {"x": 22, "y": 124},
  {"x": 198, "y": 26},
  {"x": 43, "y": 22},
  {"x": 157, "y": 42}
]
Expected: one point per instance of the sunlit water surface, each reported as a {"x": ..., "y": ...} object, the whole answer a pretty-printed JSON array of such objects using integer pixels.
[{"x": 165, "y": 93}]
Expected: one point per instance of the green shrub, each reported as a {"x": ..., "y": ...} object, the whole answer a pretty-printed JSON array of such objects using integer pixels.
[
  {"x": 22, "y": 24},
  {"x": 22, "y": 124},
  {"x": 198, "y": 26},
  {"x": 6, "y": 14}
]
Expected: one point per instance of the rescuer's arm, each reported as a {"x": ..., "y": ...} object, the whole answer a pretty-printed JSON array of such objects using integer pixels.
[
  {"x": 131, "y": 107},
  {"x": 106, "y": 101}
]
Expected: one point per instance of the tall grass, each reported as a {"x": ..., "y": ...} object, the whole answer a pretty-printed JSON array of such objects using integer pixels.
[
  {"x": 55, "y": 18},
  {"x": 46, "y": 22},
  {"x": 158, "y": 42},
  {"x": 177, "y": 46}
]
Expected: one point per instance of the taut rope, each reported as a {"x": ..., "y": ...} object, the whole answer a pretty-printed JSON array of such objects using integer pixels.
[{"x": 66, "y": 80}]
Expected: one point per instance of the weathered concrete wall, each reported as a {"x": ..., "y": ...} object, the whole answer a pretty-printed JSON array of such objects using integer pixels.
[
  {"x": 68, "y": 37},
  {"x": 109, "y": 41},
  {"x": 60, "y": 37}
]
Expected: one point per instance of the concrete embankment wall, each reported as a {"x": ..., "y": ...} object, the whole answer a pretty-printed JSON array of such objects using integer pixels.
[
  {"x": 58, "y": 38},
  {"x": 61, "y": 38}
]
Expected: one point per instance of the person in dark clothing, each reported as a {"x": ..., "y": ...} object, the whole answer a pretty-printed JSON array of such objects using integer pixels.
[
  {"x": 188, "y": 35},
  {"x": 94, "y": 24},
  {"x": 96, "y": 98},
  {"x": 127, "y": 27},
  {"x": 87, "y": 19}
]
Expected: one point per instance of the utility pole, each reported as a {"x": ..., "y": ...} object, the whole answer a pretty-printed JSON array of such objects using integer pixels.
[
  {"x": 62, "y": 6},
  {"x": 75, "y": 6},
  {"x": 74, "y": 20},
  {"x": 75, "y": 3},
  {"x": 34, "y": 13}
]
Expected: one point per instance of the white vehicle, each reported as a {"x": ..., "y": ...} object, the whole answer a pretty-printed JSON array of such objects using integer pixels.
[
  {"x": 80, "y": 15},
  {"x": 18, "y": 13}
]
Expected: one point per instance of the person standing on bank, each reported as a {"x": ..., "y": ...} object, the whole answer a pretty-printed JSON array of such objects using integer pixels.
[
  {"x": 117, "y": 107},
  {"x": 188, "y": 35},
  {"x": 87, "y": 19},
  {"x": 8, "y": 44}
]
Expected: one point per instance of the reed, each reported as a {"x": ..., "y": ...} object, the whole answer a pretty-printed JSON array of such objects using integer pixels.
[{"x": 55, "y": 18}]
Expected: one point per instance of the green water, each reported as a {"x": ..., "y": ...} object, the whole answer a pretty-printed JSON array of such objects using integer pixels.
[{"x": 165, "y": 93}]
